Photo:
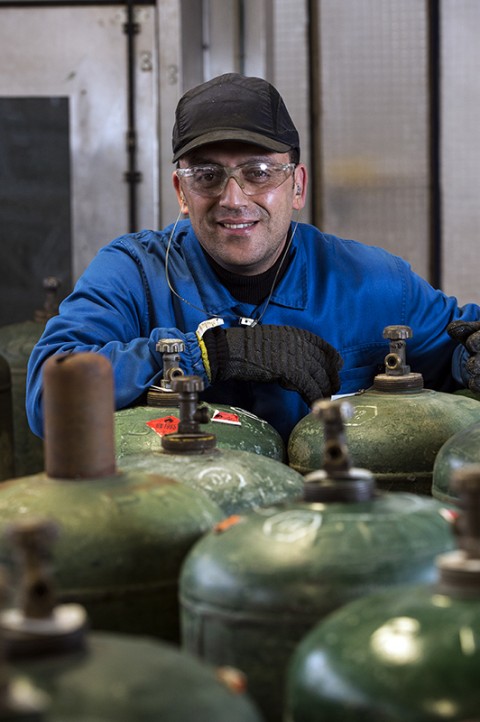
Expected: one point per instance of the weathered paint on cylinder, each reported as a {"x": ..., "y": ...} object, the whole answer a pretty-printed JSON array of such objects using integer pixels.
[
  {"x": 405, "y": 654},
  {"x": 469, "y": 394},
  {"x": 16, "y": 343},
  {"x": 123, "y": 535},
  {"x": 252, "y": 588},
  {"x": 123, "y": 540},
  {"x": 459, "y": 450},
  {"x": 139, "y": 430},
  {"x": 87, "y": 677},
  {"x": 7, "y": 468},
  {"x": 396, "y": 656},
  {"x": 394, "y": 434},
  {"x": 236, "y": 480},
  {"x": 121, "y": 679}
]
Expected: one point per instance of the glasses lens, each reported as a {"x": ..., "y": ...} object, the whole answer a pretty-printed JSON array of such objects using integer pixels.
[
  {"x": 253, "y": 178},
  {"x": 262, "y": 177},
  {"x": 206, "y": 180}
]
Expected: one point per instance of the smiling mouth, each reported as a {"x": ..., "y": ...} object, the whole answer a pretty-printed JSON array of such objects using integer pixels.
[{"x": 238, "y": 226}]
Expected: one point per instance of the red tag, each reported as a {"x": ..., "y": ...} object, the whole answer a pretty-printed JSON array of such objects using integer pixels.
[
  {"x": 450, "y": 515},
  {"x": 226, "y": 417},
  {"x": 164, "y": 426}
]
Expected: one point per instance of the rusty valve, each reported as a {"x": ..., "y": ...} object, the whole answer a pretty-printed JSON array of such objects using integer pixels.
[
  {"x": 189, "y": 437},
  {"x": 38, "y": 626}
]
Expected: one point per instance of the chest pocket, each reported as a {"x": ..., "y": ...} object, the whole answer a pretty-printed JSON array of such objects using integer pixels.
[{"x": 361, "y": 365}]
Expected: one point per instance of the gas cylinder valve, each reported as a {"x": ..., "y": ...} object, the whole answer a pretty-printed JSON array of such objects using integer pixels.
[
  {"x": 38, "y": 625},
  {"x": 189, "y": 437},
  {"x": 395, "y": 360},
  {"x": 337, "y": 480},
  {"x": 51, "y": 284},
  {"x": 336, "y": 457},
  {"x": 397, "y": 372},
  {"x": 170, "y": 348},
  {"x": 460, "y": 569},
  {"x": 163, "y": 393}
]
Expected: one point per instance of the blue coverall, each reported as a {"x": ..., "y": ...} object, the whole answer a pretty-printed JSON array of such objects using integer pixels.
[{"x": 341, "y": 290}]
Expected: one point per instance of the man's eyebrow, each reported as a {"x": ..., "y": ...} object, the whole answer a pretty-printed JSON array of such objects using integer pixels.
[{"x": 200, "y": 160}]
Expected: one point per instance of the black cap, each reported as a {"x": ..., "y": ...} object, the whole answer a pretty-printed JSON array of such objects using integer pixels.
[{"x": 233, "y": 107}]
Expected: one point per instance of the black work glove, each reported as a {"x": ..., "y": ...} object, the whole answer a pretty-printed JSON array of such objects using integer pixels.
[
  {"x": 468, "y": 334},
  {"x": 296, "y": 359}
]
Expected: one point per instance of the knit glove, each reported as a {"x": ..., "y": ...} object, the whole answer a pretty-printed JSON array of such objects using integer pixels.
[
  {"x": 296, "y": 359},
  {"x": 468, "y": 334}
]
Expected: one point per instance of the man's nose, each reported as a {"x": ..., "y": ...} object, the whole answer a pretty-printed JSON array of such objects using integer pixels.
[{"x": 232, "y": 194}]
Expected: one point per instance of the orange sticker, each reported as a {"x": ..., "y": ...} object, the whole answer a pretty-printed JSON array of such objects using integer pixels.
[
  {"x": 226, "y": 417},
  {"x": 227, "y": 523},
  {"x": 164, "y": 426}
]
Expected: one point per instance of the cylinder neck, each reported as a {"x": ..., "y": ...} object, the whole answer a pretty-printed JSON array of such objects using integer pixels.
[
  {"x": 459, "y": 571},
  {"x": 337, "y": 480}
]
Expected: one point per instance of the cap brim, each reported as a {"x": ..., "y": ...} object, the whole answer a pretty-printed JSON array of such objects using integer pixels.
[{"x": 245, "y": 136}]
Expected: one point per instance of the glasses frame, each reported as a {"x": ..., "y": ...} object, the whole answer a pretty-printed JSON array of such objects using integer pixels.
[{"x": 235, "y": 173}]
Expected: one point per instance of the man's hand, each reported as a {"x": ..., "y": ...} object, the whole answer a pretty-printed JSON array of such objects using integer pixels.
[
  {"x": 468, "y": 334},
  {"x": 296, "y": 359}
]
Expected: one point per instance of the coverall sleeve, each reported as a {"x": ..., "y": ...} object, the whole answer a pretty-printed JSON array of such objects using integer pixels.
[{"x": 110, "y": 312}]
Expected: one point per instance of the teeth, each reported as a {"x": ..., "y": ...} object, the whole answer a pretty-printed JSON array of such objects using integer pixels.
[{"x": 234, "y": 226}]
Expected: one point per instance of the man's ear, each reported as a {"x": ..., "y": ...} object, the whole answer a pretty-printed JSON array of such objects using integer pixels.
[
  {"x": 183, "y": 204},
  {"x": 300, "y": 186},
  {"x": 182, "y": 201}
]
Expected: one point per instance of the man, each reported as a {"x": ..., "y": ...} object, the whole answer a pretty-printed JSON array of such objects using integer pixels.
[{"x": 273, "y": 313}]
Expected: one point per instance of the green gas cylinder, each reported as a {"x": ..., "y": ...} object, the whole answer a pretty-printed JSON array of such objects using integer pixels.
[
  {"x": 236, "y": 480},
  {"x": 16, "y": 343},
  {"x": 20, "y": 699},
  {"x": 251, "y": 588},
  {"x": 102, "y": 677},
  {"x": 468, "y": 393},
  {"x": 125, "y": 534},
  {"x": 140, "y": 429},
  {"x": 404, "y": 654},
  {"x": 397, "y": 427},
  {"x": 461, "y": 449},
  {"x": 6, "y": 422}
]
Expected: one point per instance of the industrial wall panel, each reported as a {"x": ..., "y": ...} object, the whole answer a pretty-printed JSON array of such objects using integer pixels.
[
  {"x": 373, "y": 80},
  {"x": 290, "y": 68},
  {"x": 79, "y": 53},
  {"x": 460, "y": 148}
]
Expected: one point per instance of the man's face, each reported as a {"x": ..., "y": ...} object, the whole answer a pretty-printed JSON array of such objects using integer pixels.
[{"x": 243, "y": 234}]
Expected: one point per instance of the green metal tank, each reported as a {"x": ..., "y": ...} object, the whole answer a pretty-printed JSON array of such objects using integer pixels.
[
  {"x": 397, "y": 427},
  {"x": 7, "y": 467},
  {"x": 20, "y": 699},
  {"x": 461, "y": 449},
  {"x": 140, "y": 429},
  {"x": 468, "y": 393},
  {"x": 404, "y": 654},
  {"x": 253, "y": 587},
  {"x": 236, "y": 480},
  {"x": 102, "y": 677},
  {"x": 125, "y": 534},
  {"x": 16, "y": 343}
]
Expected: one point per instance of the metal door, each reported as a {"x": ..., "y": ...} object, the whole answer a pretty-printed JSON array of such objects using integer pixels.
[{"x": 64, "y": 117}]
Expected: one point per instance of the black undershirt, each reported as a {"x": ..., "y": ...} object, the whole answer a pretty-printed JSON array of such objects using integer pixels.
[{"x": 250, "y": 289}]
